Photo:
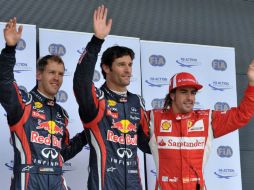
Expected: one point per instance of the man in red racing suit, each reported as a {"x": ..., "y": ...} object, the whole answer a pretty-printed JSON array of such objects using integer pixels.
[{"x": 181, "y": 137}]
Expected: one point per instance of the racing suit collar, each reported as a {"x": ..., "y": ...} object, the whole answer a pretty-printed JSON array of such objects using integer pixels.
[
  {"x": 179, "y": 116},
  {"x": 114, "y": 96},
  {"x": 42, "y": 98}
]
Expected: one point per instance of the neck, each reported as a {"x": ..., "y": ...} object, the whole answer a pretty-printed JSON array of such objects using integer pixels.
[
  {"x": 120, "y": 93},
  {"x": 48, "y": 97},
  {"x": 117, "y": 89}
]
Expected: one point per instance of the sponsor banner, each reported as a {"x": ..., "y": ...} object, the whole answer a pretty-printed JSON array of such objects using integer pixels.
[
  {"x": 214, "y": 68},
  {"x": 24, "y": 73}
]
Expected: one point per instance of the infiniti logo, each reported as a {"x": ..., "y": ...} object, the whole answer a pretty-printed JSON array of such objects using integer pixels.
[
  {"x": 133, "y": 109},
  {"x": 122, "y": 152},
  {"x": 46, "y": 152}
]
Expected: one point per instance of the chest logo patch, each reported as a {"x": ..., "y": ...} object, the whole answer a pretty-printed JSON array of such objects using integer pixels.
[
  {"x": 38, "y": 105},
  {"x": 38, "y": 115},
  {"x": 112, "y": 114},
  {"x": 166, "y": 126},
  {"x": 111, "y": 103},
  {"x": 197, "y": 126},
  {"x": 125, "y": 126}
]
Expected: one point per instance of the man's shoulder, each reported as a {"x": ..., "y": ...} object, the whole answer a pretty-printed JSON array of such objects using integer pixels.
[
  {"x": 62, "y": 111},
  {"x": 26, "y": 96},
  {"x": 136, "y": 97},
  {"x": 202, "y": 112}
]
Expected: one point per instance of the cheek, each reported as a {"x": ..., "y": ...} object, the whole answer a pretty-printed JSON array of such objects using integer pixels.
[{"x": 61, "y": 80}]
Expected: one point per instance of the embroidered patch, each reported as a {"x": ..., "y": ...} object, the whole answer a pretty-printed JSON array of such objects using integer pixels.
[
  {"x": 198, "y": 126},
  {"x": 166, "y": 126}
]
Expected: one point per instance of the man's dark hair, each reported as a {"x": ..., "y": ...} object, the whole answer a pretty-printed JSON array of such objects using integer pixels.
[
  {"x": 168, "y": 100},
  {"x": 112, "y": 53},
  {"x": 43, "y": 62}
]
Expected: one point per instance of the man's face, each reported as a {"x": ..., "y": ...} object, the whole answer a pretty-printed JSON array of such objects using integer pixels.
[
  {"x": 51, "y": 79},
  {"x": 183, "y": 99},
  {"x": 118, "y": 76}
]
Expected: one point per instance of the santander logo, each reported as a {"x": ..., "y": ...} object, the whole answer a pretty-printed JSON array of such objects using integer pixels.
[{"x": 188, "y": 143}]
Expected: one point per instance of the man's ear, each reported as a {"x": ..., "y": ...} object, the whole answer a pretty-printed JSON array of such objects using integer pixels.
[
  {"x": 105, "y": 68},
  {"x": 172, "y": 96},
  {"x": 38, "y": 75}
]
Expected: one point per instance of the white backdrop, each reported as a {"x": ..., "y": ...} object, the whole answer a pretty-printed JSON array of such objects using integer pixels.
[
  {"x": 24, "y": 72},
  {"x": 214, "y": 68}
]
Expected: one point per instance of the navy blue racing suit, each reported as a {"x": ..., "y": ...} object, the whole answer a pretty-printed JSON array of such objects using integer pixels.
[
  {"x": 114, "y": 126},
  {"x": 39, "y": 132}
]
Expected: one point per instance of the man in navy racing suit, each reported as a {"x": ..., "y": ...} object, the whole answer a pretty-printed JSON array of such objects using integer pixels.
[
  {"x": 37, "y": 123},
  {"x": 113, "y": 117}
]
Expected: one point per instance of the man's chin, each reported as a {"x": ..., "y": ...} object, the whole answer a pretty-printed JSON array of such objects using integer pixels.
[
  {"x": 189, "y": 109},
  {"x": 126, "y": 83}
]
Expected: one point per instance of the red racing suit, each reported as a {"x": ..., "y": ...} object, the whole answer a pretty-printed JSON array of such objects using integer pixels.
[{"x": 181, "y": 143}]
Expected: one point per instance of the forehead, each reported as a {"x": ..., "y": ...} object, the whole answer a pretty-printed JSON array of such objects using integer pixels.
[
  {"x": 123, "y": 59},
  {"x": 56, "y": 66}
]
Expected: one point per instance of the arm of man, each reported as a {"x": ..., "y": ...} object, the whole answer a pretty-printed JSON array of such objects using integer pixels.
[
  {"x": 85, "y": 92},
  {"x": 10, "y": 97},
  {"x": 237, "y": 117},
  {"x": 75, "y": 145},
  {"x": 143, "y": 130}
]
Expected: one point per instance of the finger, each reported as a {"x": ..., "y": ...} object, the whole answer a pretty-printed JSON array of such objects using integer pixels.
[
  {"x": 105, "y": 13},
  {"x": 11, "y": 23},
  {"x": 20, "y": 29},
  {"x": 7, "y": 25},
  {"x": 101, "y": 11},
  {"x": 95, "y": 15},
  {"x": 14, "y": 22}
]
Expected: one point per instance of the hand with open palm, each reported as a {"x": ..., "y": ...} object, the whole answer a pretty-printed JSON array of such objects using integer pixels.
[
  {"x": 101, "y": 26},
  {"x": 11, "y": 34}
]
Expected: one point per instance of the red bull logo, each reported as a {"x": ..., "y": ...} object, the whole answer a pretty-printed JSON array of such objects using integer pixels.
[
  {"x": 121, "y": 139},
  {"x": 51, "y": 127},
  {"x": 37, "y": 138},
  {"x": 124, "y": 126}
]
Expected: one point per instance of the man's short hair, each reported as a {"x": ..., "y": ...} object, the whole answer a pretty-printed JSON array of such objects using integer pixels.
[
  {"x": 112, "y": 53},
  {"x": 43, "y": 62}
]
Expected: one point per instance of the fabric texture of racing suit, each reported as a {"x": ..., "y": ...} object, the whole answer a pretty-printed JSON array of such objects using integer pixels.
[
  {"x": 181, "y": 143},
  {"x": 114, "y": 126},
  {"x": 39, "y": 135}
]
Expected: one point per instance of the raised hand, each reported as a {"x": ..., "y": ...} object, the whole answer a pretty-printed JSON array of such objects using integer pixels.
[
  {"x": 250, "y": 73},
  {"x": 101, "y": 26},
  {"x": 11, "y": 34}
]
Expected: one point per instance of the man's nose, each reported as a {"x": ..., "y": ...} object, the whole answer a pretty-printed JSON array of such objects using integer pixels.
[{"x": 128, "y": 69}]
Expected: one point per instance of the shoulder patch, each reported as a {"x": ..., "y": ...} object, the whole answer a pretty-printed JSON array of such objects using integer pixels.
[
  {"x": 99, "y": 93},
  {"x": 142, "y": 101},
  {"x": 65, "y": 113},
  {"x": 26, "y": 97}
]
